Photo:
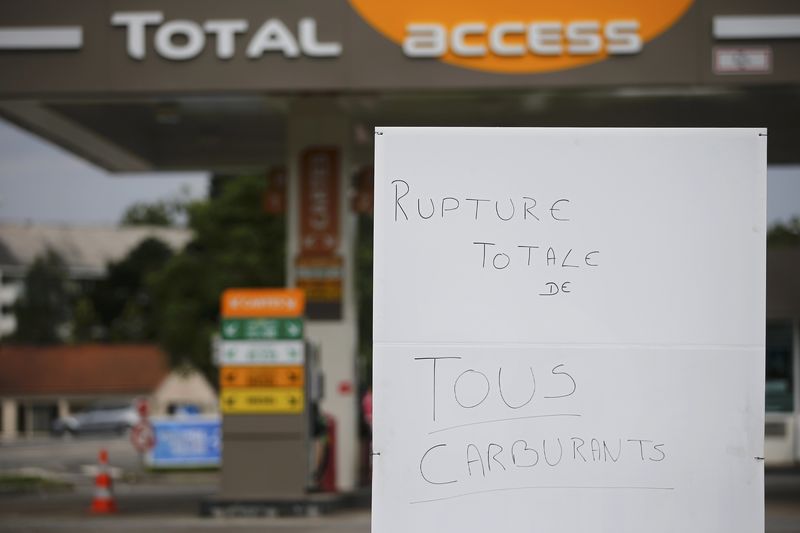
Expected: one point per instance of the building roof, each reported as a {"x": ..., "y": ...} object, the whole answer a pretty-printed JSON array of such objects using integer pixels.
[
  {"x": 81, "y": 369},
  {"x": 86, "y": 250}
]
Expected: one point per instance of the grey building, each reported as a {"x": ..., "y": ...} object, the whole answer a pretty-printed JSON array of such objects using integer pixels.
[{"x": 86, "y": 251}]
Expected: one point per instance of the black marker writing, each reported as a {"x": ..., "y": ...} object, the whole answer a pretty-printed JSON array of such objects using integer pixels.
[
  {"x": 433, "y": 379},
  {"x": 560, "y": 452},
  {"x": 419, "y": 209},
  {"x": 531, "y": 462},
  {"x": 458, "y": 380},
  {"x": 574, "y": 385},
  {"x": 422, "y": 467},
  {"x": 398, "y": 198},
  {"x": 477, "y": 204},
  {"x": 501, "y": 217},
  {"x": 502, "y": 396}
]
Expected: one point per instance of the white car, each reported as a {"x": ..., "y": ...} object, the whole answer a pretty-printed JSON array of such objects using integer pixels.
[{"x": 116, "y": 418}]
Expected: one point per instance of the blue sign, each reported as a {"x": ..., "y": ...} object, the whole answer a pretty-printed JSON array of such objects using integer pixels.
[{"x": 186, "y": 442}]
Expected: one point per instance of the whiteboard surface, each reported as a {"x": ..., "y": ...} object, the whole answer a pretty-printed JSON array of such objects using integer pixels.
[{"x": 569, "y": 329}]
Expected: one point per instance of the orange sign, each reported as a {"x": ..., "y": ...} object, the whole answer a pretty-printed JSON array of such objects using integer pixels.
[
  {"x": 243, "y": 303},
  {"x": 261, "y": 376},
  {"x": 521, "y": 36},
  {"x": 320, "y": 277}
]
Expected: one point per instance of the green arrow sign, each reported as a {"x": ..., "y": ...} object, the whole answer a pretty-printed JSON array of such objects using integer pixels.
[{"x": 261, "y": 328}]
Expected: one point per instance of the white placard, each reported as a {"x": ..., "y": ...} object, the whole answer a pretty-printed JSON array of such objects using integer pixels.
[
  {"x": 259, "y": 352},
  {"x": 569, "y": 330}
]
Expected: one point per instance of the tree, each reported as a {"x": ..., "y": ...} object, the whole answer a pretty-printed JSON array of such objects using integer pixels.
[
  {"x": 160, "y": 213},
  {"x": 236, "y": 244},
  {"x": 85, "y": 322},
  {"x": 43, "y": 308},
  {"x": 122, "y": 301},
  {"x": 363, "y": 268},
  {"x": 784, "y": 234}
]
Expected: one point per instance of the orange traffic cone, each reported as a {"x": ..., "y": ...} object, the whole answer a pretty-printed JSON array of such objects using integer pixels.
[{"x": 103, "y": 502}]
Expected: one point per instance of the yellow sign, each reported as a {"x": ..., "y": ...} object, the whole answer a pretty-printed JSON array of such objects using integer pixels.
[
  {"x": 321, "y": 290},
  {"x": 262, "y": 401},
  {"x": 261, "y": 376}
]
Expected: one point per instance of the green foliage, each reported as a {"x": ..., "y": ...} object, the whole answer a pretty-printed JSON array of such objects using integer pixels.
[
  {"x": 85, "y": 321},
  {"x": 784, "y": 234},
  {"x": 44, "y": 305},
  {"x": 133, "y": 324},
  {"x": 235, "y": 244},
  {"x": 161, "y": 213},
  {"x": 122, "y": 301},
  {"x": 363, "y": 276},
  {"x": 21, "y": 484}
]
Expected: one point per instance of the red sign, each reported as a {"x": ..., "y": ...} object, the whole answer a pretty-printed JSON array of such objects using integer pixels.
[
  {"x": 142, "y": 408},
  {"x": 319, "y": 200},
  {"x": 364, "y": 184},
  {"x": 143, "y": 437},
  {"x": 275, "y": 195},
  {"x": 345, "y": 387}
]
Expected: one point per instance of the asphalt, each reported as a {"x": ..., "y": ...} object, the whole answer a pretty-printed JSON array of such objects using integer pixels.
[{"x": 171, "y": 502}]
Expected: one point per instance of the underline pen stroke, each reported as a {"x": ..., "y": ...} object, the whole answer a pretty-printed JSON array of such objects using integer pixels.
[
  {"x": 555, "y": 415},
  {"x": 545, "y": 487}
]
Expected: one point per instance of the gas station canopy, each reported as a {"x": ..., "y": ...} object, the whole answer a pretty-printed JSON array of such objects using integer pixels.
[{"x": 202, "y": 84}]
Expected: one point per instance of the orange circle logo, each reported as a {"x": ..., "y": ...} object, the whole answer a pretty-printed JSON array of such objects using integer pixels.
[{"x": 520, "y": 36}]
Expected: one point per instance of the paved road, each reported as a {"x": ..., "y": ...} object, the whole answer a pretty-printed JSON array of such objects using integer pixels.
[
  {"x": 342, "y": 522},
  {"x": 67, "y": 454},
  {"x": 170, "y": 503}
]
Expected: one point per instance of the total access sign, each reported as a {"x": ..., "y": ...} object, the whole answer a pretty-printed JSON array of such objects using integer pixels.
[
  {"x": 521, "y": 36},
  {"x": 506, "y": 36}
]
